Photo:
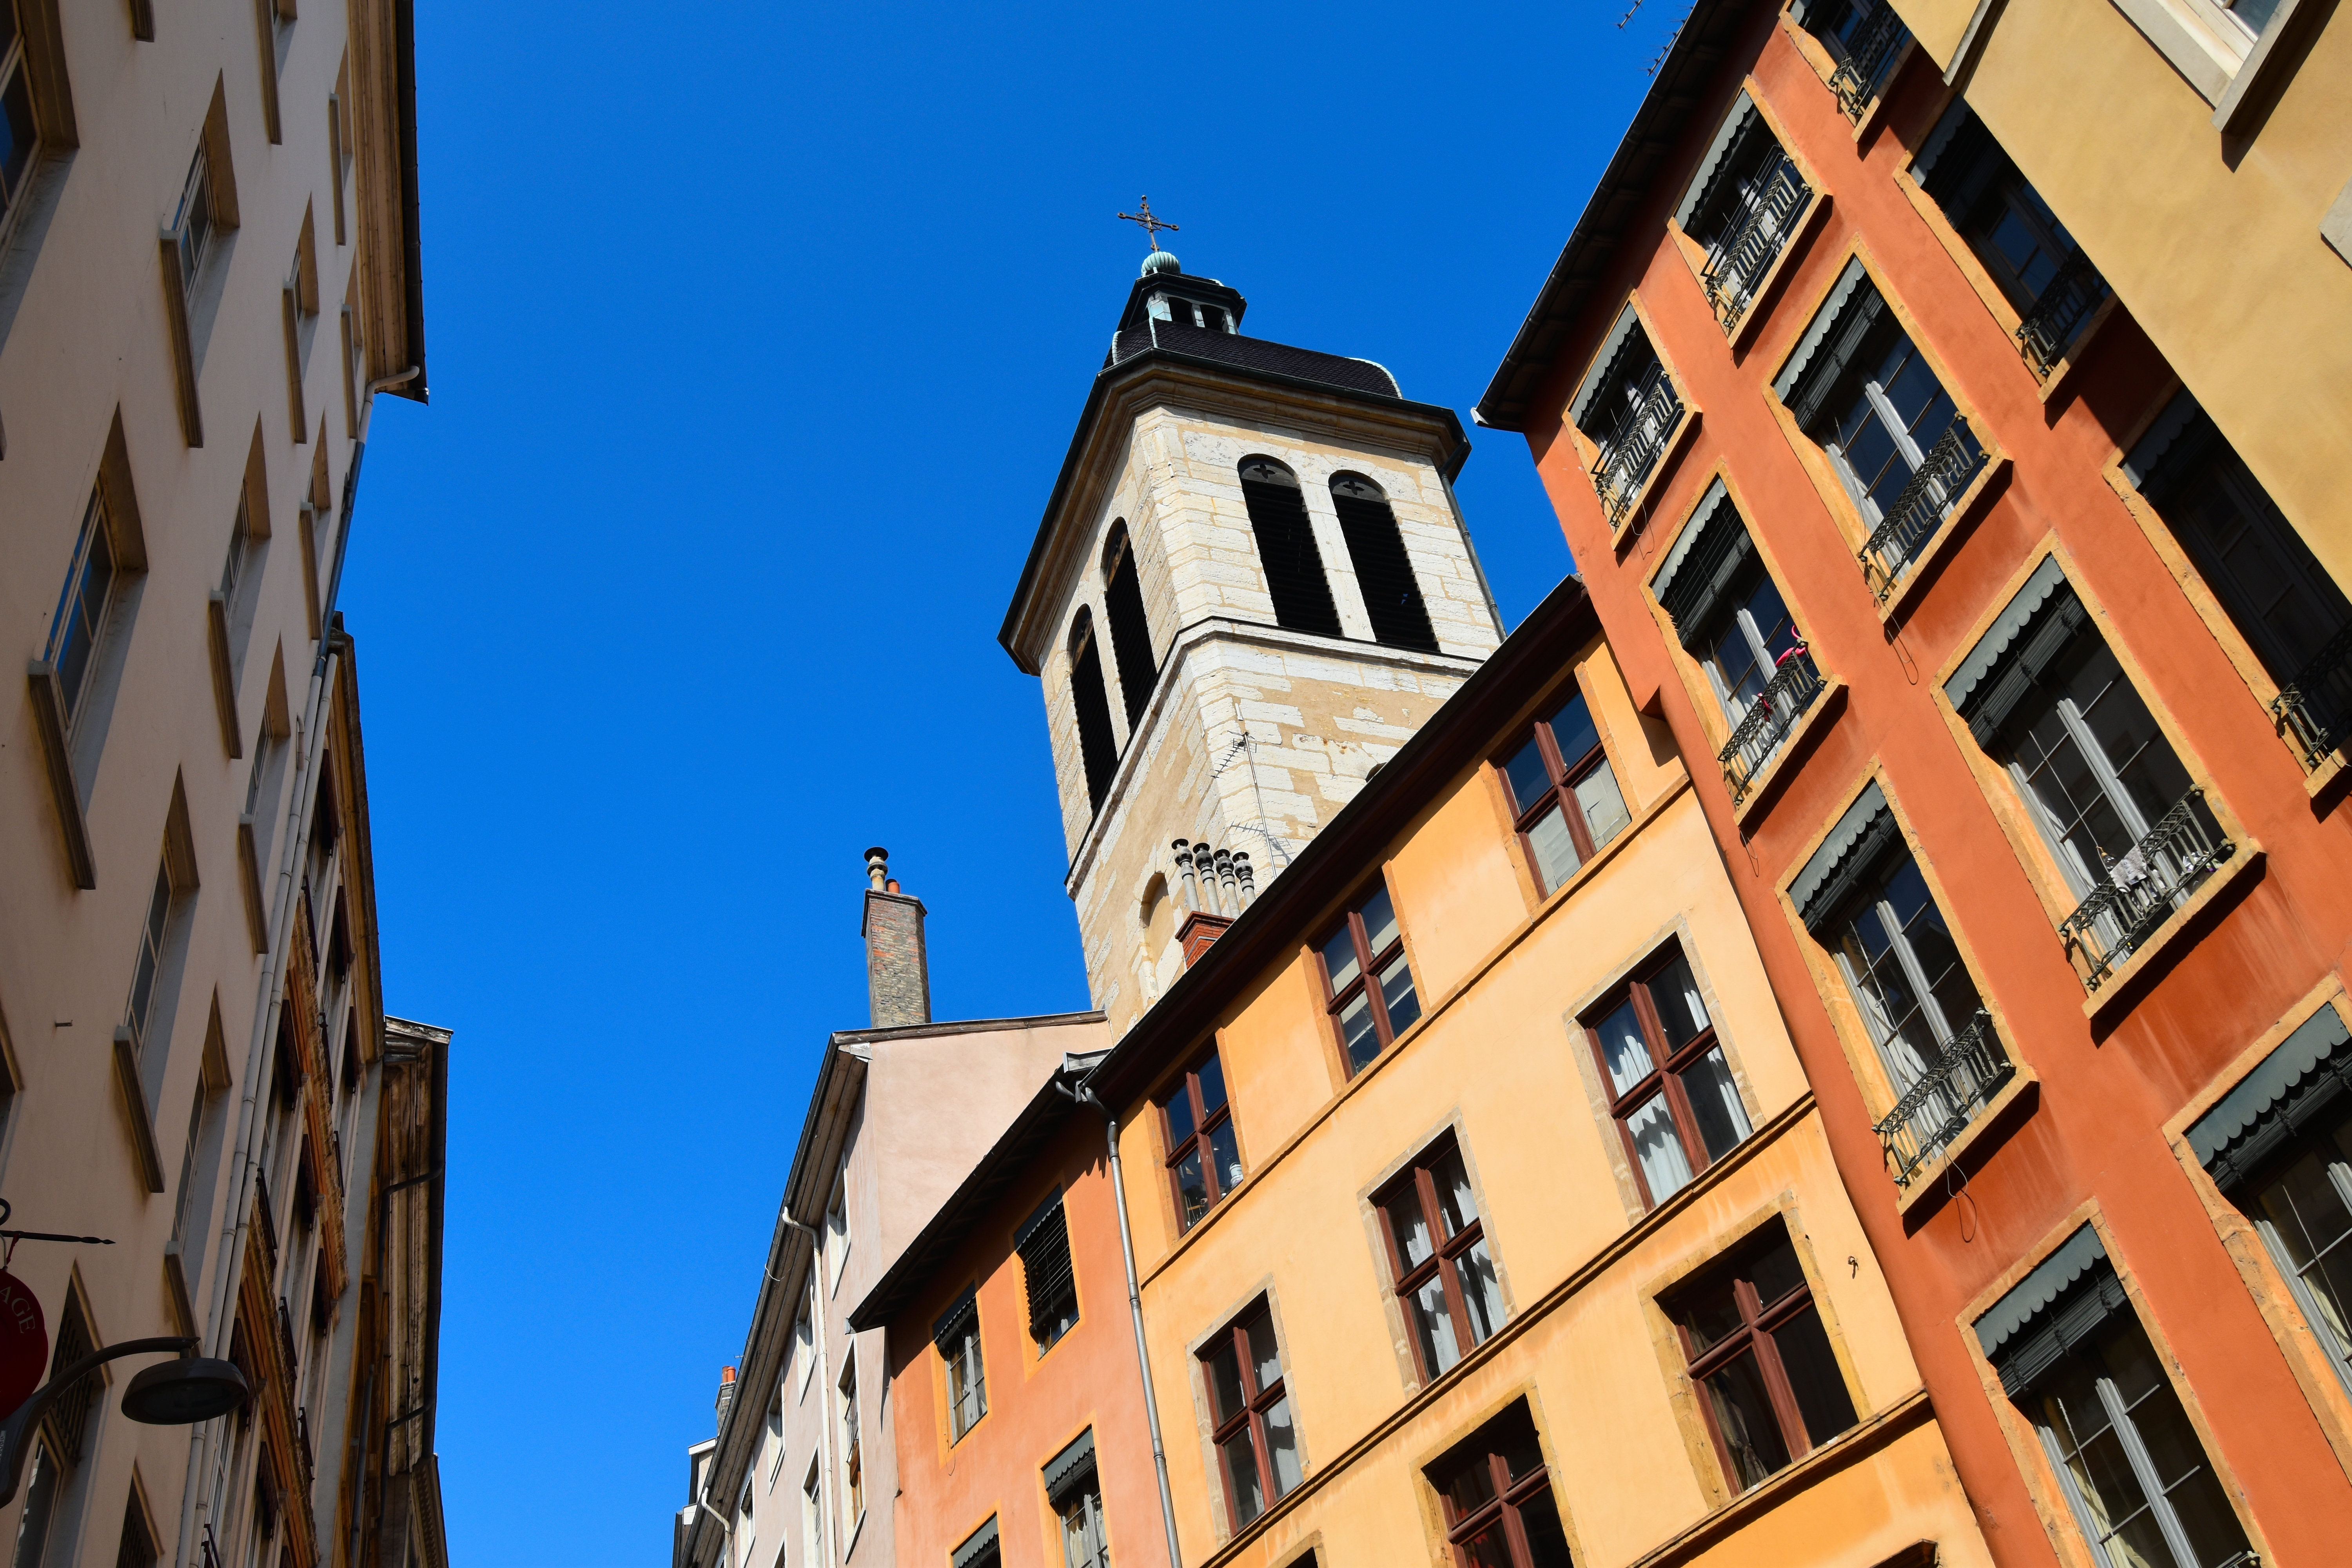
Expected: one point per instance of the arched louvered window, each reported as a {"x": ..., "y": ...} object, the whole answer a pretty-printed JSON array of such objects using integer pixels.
[
  {"x": 1392, "y": 594},
  {"x": 1286, "y": 543},
  {"x": 1131, "y": 633},
  {"x": 1096, "y": 745}
]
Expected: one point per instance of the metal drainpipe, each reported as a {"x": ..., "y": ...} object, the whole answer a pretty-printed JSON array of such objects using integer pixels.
[{"x": 1085, "y": 1096}]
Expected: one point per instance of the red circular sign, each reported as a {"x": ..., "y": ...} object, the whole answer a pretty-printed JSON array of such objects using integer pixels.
[{"x": 24, "y": 1343}]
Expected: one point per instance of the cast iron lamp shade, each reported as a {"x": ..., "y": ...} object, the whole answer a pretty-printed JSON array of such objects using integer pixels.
[
  {"x": 176, "y": 1394},
  {"x": 183, "y": 1392}
]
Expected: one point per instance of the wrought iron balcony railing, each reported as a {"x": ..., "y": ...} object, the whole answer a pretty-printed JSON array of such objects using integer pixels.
[
  {"x": 2142, "y": 887},
  {"x": 1949, "y": 465},
  {"x": 261, "y": 1211},
  {"x": 1734, "y": 271},
  {"x": 1949, "y": 1095},
  {"x": 1793, "y": 688},
  {"x": 2071, "y": 294},
  {"x": 286, "y": 1340},
  {"x": 1636, "y": 445},
  {"x": 2315, "y": 709},
  {"x": 1868, "y": 56}
]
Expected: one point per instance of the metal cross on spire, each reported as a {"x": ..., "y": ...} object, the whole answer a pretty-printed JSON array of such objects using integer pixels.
[{"x": 1151, "y": 225}]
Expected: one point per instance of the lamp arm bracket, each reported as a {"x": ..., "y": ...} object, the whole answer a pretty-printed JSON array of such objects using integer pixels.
[{"x": 21, "y": 1419}]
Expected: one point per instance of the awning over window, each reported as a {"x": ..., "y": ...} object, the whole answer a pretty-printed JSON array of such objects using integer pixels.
[
  {"x": 1830, "y": 343},
  {"x": 2172, "y": 450},
  {"x": 2053, "y": 1308},
  {"x": 1070, "y": 1468},
  {"x": 979, "y": 1547},
  {"x": 1844, "y": 859},
  {"x": 1726, "y": 136},
  {"x": 1621, "y": 338},
  {"x": 954, "y": 1323},
  {"x": 1701, "y": 566},
  {"x": 2309, "y": 1073},
  {"x": 2006, "y": 661},
  {"x": 1923, "y": 167}
]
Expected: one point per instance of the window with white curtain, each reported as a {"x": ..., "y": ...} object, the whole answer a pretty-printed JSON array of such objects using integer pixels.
[{"x": 1669, "y": 1083}]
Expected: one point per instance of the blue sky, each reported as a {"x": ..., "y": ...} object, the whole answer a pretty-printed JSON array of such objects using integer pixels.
[{"x": 757, "y": 337}]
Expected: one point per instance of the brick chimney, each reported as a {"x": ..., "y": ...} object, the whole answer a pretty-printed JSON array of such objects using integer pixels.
[
  {"x": 726, "y": 1396},
  {"x": 897, "y": 969}
]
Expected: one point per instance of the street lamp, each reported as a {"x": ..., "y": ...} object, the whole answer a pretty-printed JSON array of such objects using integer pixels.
[{"x": 171, "y": 1394}]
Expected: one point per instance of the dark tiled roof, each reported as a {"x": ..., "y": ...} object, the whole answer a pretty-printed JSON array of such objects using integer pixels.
[{"x": 1256, "y": 353}]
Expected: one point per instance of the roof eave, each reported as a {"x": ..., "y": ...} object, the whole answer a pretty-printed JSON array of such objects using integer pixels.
[{"x": 1699, "y": 47}]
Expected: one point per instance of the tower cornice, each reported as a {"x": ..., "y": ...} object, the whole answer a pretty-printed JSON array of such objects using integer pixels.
[{"x": 1158, "y": 376}]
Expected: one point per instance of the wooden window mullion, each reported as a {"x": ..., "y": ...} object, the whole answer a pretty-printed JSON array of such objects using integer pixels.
[
  {"x": 1776, "y": 1377},
  {"x": 1703, "y": 1366},
  {"x": 1363, "y": 938},
  {"x": 1515, "y": 1529},
  {"x": 1449, "y": 1278}
]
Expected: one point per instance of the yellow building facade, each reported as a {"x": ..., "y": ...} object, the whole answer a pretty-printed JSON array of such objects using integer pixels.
[
  {"x": 2200, "y": 153},
  {"x": 1481, "y": 1212}
]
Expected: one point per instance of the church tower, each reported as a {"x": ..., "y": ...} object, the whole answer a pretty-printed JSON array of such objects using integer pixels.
[{"x": 1251, "y": 586}]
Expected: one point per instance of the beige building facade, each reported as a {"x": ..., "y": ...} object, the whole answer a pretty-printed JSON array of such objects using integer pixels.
[
  {"x": 1251, "y": 586},
  {"x": 208, "y": 271}
]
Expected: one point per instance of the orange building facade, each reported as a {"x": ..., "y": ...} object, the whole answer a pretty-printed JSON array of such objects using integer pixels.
[
  {"x": 1019, "y": 1410},
  {"x": 1889, "y": 506}
]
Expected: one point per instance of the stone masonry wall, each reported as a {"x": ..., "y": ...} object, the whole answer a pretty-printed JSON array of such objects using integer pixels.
[{"x": 1318, "y": 714}]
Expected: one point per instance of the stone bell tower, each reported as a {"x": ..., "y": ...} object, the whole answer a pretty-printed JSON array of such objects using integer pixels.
[{"x": 1251, "y": 586}]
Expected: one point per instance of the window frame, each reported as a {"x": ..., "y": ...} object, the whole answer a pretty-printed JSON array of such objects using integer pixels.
[
  {"x": 836, "y": 1228},
  {"x": 969, "y": 1360},
  {"x": 1565, "y": 777},
  {"x": 1760, "y": 1321},
  {"x": 1201, "y": 1140},
  {"x": 1053, "y": 1215},
  {"x": 151, "y": 956},
  {"x": 1256, "y": 1403},
  {"x": 1876, "y": 882},
  {"x": 1666, "y": 1066},
  {"x": 2321, "y": 1137},
  {"x": 97, "y": 534},
  {"x": 1510, "y": 1495},
  {"x": 852, "y": 1450},
  {"x": 17, "y": 73},
  {"x": 1368, "y": 966},
  {"x": 1079, "y": 1515},
  {"x": 1445, "y": 1259}
]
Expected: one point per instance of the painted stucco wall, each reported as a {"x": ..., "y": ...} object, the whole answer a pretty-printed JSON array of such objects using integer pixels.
[
  {"x": 1501, "y": 1060},
  {"x": 1037, "y": 1405},
  {"x": 2107, "y": 1079}
]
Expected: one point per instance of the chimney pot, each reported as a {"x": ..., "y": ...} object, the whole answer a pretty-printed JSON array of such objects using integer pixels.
[{"x": 877, "y": 866}]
